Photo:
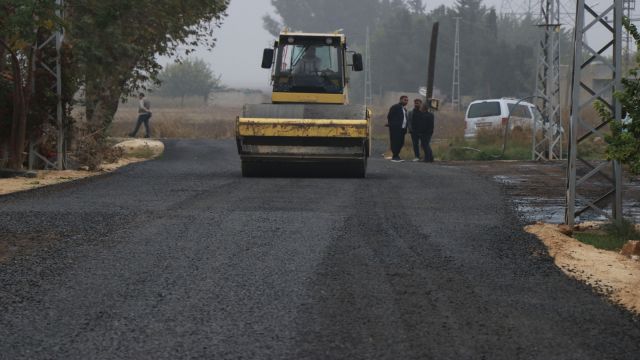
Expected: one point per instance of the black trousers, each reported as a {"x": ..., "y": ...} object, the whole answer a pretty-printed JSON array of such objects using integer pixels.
[
  {"x": 142, "y": 119},
  {"x": 422, "y": 139},
  {"x": 396, "y": 138}
]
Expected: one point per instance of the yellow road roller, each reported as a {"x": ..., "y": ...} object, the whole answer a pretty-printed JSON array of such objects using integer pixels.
[{"x": 309, "y": 128}]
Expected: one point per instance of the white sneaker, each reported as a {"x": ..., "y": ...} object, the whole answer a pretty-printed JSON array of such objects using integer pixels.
[{"x": 415, "y": 159}]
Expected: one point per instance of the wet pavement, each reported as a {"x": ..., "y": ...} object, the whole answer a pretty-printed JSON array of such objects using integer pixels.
[{"x": 537, "y": 189}]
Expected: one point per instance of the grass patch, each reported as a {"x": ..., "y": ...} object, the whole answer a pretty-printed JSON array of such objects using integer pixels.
[
  {"x": 610, "y": 237},
  {"x": 179, "y": 123},
  {"x": 487, "y": 146}
]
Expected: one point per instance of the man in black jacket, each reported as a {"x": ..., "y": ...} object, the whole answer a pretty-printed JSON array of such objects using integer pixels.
[
  {"x": 397, "y": 122},
  {"x": 415, "y": 139},
  {"x": 422, "y": 124}
]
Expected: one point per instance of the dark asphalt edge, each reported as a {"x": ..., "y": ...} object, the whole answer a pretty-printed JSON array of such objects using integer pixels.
[
  {"x": 44, "y": 190},
  {"x": 519, "y": 225}
]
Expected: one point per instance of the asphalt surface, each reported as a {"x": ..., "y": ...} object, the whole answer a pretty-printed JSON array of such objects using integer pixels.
[{"x": 181, "y": 257}]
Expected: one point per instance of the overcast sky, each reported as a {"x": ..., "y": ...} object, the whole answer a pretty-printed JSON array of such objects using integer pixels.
[{"x": 241, "y": 39}]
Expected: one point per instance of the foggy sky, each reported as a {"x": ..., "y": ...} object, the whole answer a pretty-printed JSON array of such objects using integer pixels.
[{"x": 241, "y": 39}]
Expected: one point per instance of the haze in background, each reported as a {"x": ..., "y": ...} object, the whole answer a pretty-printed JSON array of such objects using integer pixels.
[
  {"x": 242, "y": 37},
  {"x": 238, "y": 52}
]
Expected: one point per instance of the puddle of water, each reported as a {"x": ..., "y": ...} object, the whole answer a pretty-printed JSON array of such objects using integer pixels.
[
  {"x": 509, "y": 180},
  {"x": 552, "y": 210}
]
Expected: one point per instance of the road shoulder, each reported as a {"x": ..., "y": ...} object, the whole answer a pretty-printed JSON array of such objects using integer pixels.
[
  {"x": 613, "y": 275},
  {"x": 134, "y": 150}
]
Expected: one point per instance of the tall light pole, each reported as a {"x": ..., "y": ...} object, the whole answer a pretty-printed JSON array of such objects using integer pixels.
[{"x": 455, "y": 85}]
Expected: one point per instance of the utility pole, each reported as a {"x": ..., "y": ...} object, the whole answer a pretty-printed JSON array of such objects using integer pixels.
[
  {"x": 549, "y": 147},
  {"x": 431, "y": 65},
  {"x": 368, "y": 89},
  {"x": 455, "y": 86},
  {"x": 603, "y": 175}
]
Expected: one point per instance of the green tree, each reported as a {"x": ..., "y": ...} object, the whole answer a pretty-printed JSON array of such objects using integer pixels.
[
  {"x": 624, "y": 140},
  {"x": 189, "y": 77},
  {"x": 497, "y": 54},
  {"x": 352, "y": 16},
  {"x": 116, "y": 44},
  {"x": 24, "y": 24}
]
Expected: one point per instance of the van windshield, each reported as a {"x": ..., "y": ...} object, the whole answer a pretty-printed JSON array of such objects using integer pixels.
[{"x": 487, "y": 108}]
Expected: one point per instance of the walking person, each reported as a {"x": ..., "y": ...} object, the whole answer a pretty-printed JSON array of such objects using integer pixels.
[
  {"x": 415, "y": 140},
  {"x": 397, "y": 122},
  {"x": 422, "y": 124},
  {"x": 144, "y": 114}
]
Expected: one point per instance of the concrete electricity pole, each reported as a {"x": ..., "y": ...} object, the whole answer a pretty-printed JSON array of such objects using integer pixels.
[
  {"x": 368, "y": 92},
  {"x": 455, "y": 86}
]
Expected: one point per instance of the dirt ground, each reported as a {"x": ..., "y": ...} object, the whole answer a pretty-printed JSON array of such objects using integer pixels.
[
  {"x": 538, "y": 192},
  {"x": 50, "y": 177},
  {"x": 608, "y": 273},
  {"x": 538, "y": 188}
]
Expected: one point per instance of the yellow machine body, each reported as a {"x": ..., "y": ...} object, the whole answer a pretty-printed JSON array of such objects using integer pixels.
[{"x": 309, "y": 121}]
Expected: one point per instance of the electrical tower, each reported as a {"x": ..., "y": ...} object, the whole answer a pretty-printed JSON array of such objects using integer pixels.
[
  {"x": 455, "y": 87},
  {"x": 52, "y": 66},
  {"x": 368, "y": 90},
  {"x": 629, "y": 6},
  {"x": 605, "y": 176},
  {"x": 549, "y": 147}
]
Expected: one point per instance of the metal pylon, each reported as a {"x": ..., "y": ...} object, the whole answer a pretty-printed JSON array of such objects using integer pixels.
[
  {"x": 54, "y": 67},
  {"x": 368, "y": 92},
  {"x": 603, "y": 175},
  {"x": 455, "y": 86},
  {"x": 628, "y": 6},
  {"x": 549, "y": 147}
]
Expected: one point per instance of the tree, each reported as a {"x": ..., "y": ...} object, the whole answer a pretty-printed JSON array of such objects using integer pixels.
[
  {"x": 416, "y": 6},
  {"x": 189, "y": 77},
  {"x": 116, "y": 44},
  {"x": 624, "y": 140},
  {"x": 352, "y": 16},
  {"x": 497, "y": 53},
  {"x": 24, "y": 24}
]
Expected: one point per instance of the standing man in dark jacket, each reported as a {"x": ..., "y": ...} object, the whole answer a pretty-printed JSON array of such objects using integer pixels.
[
  {"x": 397, "y": 122},
  {"x": 422, "y": 124},
  {"x": 415, "y": 139}
]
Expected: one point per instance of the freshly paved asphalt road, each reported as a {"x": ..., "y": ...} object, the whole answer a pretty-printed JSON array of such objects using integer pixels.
[{"x": 181, "y": 257}]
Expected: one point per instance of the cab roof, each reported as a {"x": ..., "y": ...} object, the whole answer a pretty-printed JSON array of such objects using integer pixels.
[{"x": 287, "y": 32}]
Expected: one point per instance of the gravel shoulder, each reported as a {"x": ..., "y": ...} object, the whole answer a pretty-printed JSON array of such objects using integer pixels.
[
  {"x": 52, "y": 177},
  {"x": 615, "y": 276}
]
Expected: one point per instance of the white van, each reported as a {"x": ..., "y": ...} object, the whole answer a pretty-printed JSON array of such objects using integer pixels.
[{"x": 493, "y": 114}]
